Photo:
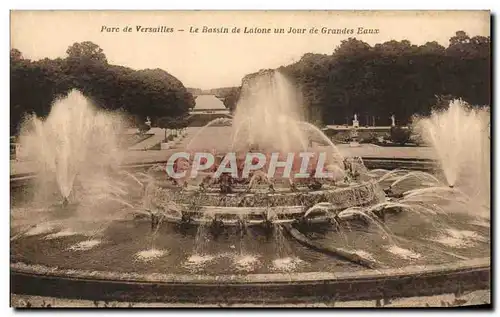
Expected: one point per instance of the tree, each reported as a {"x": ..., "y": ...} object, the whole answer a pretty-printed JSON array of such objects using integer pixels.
[
  {"x": 431, "y": 48},
  {"x": 392, "y": 77},
  {"x": 230, "y": 99},
  {"x": 139, "y": 94},
  {"x": 15, "y": 55},
  {"x": 165, "y": 123},
  {"x": 33, "y": 87},
  {"x": 400, "y": 135},
  {"x": 460, "y": 38},
  {"x": 86, "y": 51},
  {"x": 351, "y": 47},
  {"x": 184, "y": 122}
]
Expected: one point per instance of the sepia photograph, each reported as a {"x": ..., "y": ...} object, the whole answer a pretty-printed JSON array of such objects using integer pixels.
[{"x": 187, "y": 159}]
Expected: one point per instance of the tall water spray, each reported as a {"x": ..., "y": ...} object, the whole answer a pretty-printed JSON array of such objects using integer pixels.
[
  {"x": 75, "y": 140},
  {"x": 268, "y": 115},
  {"x": 460, "y": 137}
]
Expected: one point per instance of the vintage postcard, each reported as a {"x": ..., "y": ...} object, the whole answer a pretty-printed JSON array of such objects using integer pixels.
[{"x": 250, "y": 158}]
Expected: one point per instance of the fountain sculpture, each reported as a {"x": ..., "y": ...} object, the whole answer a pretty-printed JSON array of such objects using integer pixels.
[{"x": 268, "y": 122}]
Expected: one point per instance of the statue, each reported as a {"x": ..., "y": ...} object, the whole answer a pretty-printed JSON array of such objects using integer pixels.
[
  {"x": 354, "y": 132},
  {"x": 355, "y": 122}
]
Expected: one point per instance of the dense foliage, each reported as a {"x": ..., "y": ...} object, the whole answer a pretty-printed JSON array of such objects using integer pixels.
[
  {"x": 176, "y": 124},
  {"x": 375, "y": 82},
  {"x": 230, "y": 98},
  {"x": 394, "y": 77},
  {"x": 400, "y": 135},
  {"x": 138, "y": 93}
]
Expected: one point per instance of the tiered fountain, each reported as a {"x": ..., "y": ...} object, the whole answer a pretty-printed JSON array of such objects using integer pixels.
[
  {"x": 267, "y": 121},
  {"x": 142, "y": 236}
]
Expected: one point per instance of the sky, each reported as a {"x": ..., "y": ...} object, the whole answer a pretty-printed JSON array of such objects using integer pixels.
[{"x": 212, "y": 60}]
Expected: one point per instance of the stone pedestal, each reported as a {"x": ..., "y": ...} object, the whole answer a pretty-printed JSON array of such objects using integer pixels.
[{"x": 354, "y": 134}]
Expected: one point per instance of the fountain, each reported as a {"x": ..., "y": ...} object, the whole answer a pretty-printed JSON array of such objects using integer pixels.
[
  {"x": 75, "y": 141},
  {"x": 268, "y": 114},
  {"x": 77, "y": 186},
  {"x": 269, "y": 119},
  {"x": 222, "y": 236},
  {"x": 460, "y": 138}
]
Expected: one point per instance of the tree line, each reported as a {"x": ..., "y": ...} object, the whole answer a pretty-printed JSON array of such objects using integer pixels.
[
  {"x": 395, "y": 77},
  {"x": 139, "y": 94}
]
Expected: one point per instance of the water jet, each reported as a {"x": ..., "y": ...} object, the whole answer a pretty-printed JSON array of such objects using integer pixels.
[
  {"x": 76, "y": 143},
  {"x": 65, "y": 202}
]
